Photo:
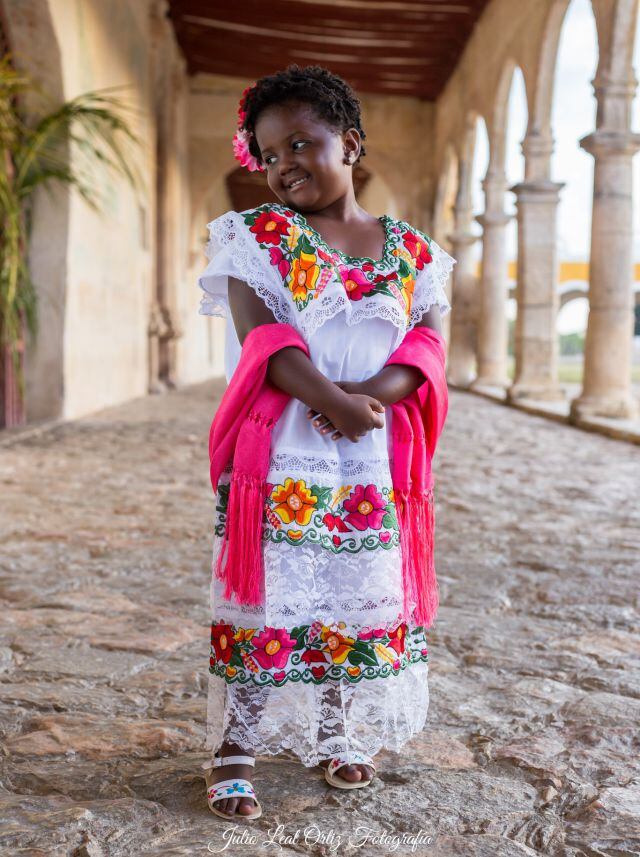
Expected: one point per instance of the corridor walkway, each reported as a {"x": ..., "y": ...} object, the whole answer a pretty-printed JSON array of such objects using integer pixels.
[{"x": 532, "y": 742}]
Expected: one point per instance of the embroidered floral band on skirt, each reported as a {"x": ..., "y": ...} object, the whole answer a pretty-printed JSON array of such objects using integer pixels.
[{"x": 312, "y": 653}]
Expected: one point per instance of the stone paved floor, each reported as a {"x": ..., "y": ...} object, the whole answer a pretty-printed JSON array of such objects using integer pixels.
[{"x": 532, "y": 743}]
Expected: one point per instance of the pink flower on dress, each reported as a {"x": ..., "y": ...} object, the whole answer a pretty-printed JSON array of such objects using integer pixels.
[
  {"x": 366, "y": 508},
  {"x": 278, "y": 261},
  {"x": 367, "y": 633},
  {"x": 355, "y": 282},
  {"x": 273, "y": 647}
]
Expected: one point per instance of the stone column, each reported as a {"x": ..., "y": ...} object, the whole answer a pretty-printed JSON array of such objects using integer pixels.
[
  {"x": 536, "y": 340},
  {"x": 461, "y": 358},
  {"x": 492, "y": 319},
  {"x": 606, "y": 387}
]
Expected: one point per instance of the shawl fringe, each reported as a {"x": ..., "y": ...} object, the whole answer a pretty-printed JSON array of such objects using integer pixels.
[
  {"x": 243, "y": 569},
  {"x": 416, "y": 519}
]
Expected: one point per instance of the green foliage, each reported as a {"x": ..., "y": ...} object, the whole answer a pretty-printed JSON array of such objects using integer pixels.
[
  {"x": 35, "y": 152},
  {"x": 571, "y": 343}
]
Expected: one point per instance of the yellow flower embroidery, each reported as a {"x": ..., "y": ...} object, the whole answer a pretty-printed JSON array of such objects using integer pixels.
[
  {"x": 386, "y": 653},
  {"x": 408, "y": 285},
  {"x": 295, "y": 535},
  {"x": 244, "y": 634},
  {"x": 304, "y": 275},
  {"x": 295, "y": 502},
  {"x": 294, "y": 234},
  {"x": 403, "y": 254},
  {"x": 338, "y": 646}
]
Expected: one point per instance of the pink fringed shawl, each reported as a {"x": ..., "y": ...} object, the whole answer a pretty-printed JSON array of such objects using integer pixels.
[{"x": 241, "y": 434}]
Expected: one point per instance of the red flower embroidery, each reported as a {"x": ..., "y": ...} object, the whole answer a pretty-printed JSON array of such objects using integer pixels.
[
  {"x": 313, "y": 656},
  {"x": 273, "y": 647},
  {"x": 397, "y": 638},
  {"x": 366, "y": 508},
  {"x": 386, "y": 278},
  {"x": 336, "y": 540},
  {"x": 418, "y": 248},
  {"x": 222, "y": 642},
  {"x": 270, "y": 227},
  {"x": 332, "y": 522},
  {"x": 278, "y": 261},
  {"x": 318, "y": 672}
]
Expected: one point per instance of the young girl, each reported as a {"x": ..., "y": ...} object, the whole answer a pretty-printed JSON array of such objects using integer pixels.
[{"x": 330, "y": 667}]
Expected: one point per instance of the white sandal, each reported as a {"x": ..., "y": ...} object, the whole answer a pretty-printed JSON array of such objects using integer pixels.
[
  {"x": 236, "y": 787},
  {"x": 338, "y": 762}
]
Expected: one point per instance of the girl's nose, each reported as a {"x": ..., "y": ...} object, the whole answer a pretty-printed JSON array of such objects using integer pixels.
[{"x": 287, "y": 166}]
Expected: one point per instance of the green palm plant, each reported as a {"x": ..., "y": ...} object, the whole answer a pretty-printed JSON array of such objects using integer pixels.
[{"x": 35, "y": 152}]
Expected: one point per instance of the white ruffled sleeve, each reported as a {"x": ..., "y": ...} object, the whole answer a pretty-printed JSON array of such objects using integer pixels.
[
  {"x": 430, "y": 284},
  {"x": 233, "y": 251}
]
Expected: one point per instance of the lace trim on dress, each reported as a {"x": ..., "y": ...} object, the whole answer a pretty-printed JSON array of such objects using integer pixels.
[
  {"x": 234, "y": 251},
  {"x": 430, "y": 285},
  {"x": 319, "y": 721},
  {"x": 333, "y": 467},
  {"x": 243, "y": 259}
]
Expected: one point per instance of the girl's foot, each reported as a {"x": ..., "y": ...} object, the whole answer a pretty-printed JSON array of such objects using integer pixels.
[
  {"x": 233, "y": 805},
  {"x": 352, "y": 773}
]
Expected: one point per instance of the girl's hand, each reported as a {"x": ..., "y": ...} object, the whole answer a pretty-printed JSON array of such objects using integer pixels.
[
  {"x": 321, "y": 422},
  {"x": 352, "y": 419}
]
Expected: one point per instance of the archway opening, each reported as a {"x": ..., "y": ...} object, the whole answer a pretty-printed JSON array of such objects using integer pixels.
[
  {"x": 515, "y": 131},
  {"x": 573, "y": 117}
]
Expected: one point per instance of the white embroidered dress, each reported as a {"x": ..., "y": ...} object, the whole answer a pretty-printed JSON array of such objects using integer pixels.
[{"x": 329, "y": 663}]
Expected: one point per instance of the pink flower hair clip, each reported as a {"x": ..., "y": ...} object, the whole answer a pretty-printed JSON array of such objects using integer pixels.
[{"x": 241, "y": 140}]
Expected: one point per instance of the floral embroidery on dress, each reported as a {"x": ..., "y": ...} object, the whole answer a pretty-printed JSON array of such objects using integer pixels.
[
  {"x": 347, "y": 518},
  {"x": 307, "y": 265},
  {"x": 313, "y": 653}
]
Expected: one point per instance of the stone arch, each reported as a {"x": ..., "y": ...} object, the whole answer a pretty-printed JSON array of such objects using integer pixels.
[
  {"x": 499, "y": 117},
  {"x": 36, "y": 51},
  {"x": 572, "y": 290},
  {"x": 540, "y": 87},
  {"x": 615, "y": 40}
]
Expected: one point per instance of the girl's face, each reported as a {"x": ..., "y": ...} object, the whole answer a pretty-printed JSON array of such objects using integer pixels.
[{"x": 296, "y": 144}]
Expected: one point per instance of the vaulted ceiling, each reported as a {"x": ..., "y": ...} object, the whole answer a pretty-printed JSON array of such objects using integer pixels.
[{"x": 394, "y": 47}]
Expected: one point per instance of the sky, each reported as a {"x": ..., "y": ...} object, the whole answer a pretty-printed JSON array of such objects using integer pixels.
[{"x": 573, "y": 116}]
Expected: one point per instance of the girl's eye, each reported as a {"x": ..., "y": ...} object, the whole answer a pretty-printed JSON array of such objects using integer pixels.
[{"x": 269, "y": 159}]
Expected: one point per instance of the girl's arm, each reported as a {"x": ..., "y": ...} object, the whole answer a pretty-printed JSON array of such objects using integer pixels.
[
  {"x": 291, "y": 370},
  {"x": 393, "y": 383},
  {"x": 389, "y": 385}
]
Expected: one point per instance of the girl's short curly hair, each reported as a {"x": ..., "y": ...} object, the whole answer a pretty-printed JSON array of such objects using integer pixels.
[{"x": 333, "y": 100}]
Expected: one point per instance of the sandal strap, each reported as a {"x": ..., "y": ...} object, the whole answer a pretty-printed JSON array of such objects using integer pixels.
[
  {"x": 217, "y": 761},
  {"x": 230, "y": 788},
  {"x": 351, "y": 758}
]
